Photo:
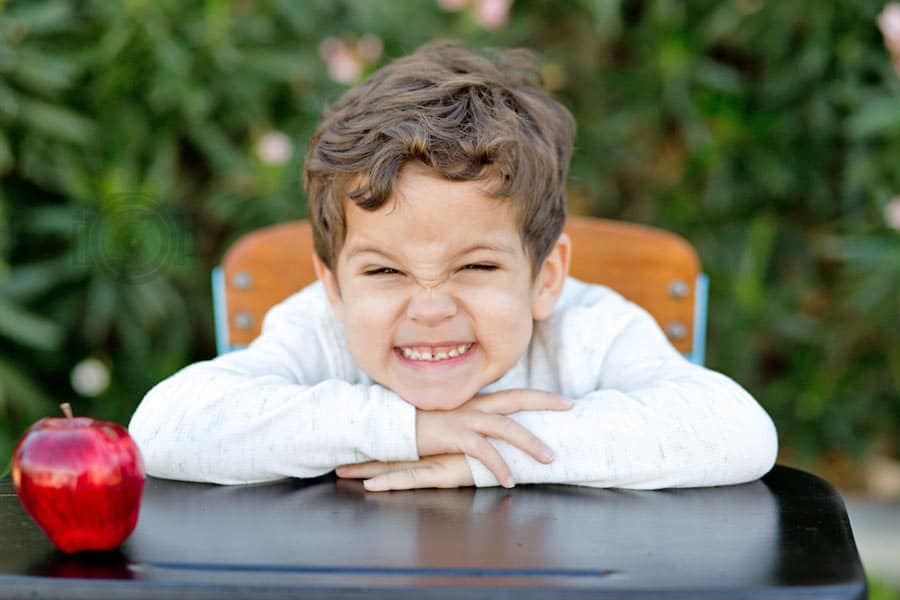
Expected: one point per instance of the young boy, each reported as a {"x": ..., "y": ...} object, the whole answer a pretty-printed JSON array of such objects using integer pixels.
[{"x": 444, "y": 344}]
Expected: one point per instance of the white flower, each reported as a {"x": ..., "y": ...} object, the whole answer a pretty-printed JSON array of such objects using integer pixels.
[
  {"x": 90, "y": 377},
  {"x": 274, "y": 148},
  {"x": 892, "y": 214}
]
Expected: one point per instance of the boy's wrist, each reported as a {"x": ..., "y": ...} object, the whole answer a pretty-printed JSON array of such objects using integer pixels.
[{"x": 393, "y": 426}]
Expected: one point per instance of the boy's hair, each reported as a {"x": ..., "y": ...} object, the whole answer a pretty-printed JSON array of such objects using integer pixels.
[{"x": 466, "y": 117}]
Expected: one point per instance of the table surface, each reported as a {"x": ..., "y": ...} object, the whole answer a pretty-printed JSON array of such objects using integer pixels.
[{"x": 783, "y": 536}]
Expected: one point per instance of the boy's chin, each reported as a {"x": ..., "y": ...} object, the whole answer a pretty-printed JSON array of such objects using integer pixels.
[{"x": 436, "y": 399}]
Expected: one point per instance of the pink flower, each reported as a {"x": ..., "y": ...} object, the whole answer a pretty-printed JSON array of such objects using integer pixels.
[
  {"x": 892, "y": 214},
  {"x": 492, "y": 14},
  {"x": 274, "y": 148},
  {"x": 369, "y": 48},
  {"x": 889, "y": 23},
  {"x": 346, "y": 57},
  {"x": 343, "y": 66}
]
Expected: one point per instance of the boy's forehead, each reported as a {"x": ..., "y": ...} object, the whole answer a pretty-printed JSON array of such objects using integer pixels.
[
  {"x": 454, "y": 223},
  {"x": 393, "y": 231}
]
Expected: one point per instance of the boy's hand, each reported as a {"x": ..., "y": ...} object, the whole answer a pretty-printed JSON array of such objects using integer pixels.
[
  {"x": 438, "y": 471},
  {"x": 463, "y": 429}
]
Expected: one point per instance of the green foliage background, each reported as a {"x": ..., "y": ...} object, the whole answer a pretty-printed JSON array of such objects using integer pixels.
[{"x": 767, "y": 133}]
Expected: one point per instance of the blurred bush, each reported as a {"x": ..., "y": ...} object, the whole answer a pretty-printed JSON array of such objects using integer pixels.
[{"x": 139, "y": 138}]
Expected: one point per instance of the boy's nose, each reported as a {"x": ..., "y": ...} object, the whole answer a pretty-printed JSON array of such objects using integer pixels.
[{"x": 431, "y": 305}]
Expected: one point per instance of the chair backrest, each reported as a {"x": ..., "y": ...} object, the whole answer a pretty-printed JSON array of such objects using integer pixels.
[{"x": 656, "y": 269}]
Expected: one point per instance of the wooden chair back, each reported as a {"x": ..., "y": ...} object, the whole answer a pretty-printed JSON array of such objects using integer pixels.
[{"x": 656, "y": 269}]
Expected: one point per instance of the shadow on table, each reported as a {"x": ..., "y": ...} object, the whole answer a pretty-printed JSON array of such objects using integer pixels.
[{"x": 84, "y": 565}]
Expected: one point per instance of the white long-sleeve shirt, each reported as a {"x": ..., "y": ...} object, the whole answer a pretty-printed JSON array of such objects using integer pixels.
[{"x": 294, "y": 404}]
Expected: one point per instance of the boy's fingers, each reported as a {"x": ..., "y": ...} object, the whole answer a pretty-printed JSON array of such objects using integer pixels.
[
  {"x": 404, "y": 479},
  {"x": 484, "y": 451},
  {"x": 504, "y": 428},
  {"x": 437, "y": 475},
  {"x": 510, "y": 401},
  {"x": 381, "y": 476}
]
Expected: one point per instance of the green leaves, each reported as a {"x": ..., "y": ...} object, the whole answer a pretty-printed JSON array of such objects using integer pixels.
[
  {"x": 28, "y": 329},
  {"x": 750, "y": 279},
  {"x": 40, "y": 72},
  {"x": 767, "y": 133},
  {"x": 55, "y": 121},
  {"x": 879, "y": 117},
  {"x": 21, "y": 19}
]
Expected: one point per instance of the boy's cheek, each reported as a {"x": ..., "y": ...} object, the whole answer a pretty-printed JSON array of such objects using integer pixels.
[
  {"x": 368, "y": 313},
  {"x": 499, "y": 306}
]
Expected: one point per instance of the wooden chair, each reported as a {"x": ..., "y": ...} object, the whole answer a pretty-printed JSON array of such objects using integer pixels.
[{"x": 654, "y": 268}]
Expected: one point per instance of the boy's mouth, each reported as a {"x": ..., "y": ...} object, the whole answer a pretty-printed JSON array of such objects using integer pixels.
[{"x": 434, "y": 353}]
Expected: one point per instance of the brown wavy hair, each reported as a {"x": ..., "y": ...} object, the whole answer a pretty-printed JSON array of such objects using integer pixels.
[{"x": 465, "y": 116}]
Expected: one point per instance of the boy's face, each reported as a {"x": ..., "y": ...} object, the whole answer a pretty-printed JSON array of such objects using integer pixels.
[{"x": 435, "y": 289}]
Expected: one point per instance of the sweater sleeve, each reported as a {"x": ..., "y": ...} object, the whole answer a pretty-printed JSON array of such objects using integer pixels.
[
  {"x": 644, "y": 416},
  {"x": 291, "y": 404}
]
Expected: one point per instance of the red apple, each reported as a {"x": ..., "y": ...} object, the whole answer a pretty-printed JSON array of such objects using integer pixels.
[{"x": 81, "y": 480}]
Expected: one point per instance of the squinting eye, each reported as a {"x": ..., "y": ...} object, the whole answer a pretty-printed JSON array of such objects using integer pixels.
[
  {"x": 478, "y": 267},
  {"x": 382, "y": 271}
]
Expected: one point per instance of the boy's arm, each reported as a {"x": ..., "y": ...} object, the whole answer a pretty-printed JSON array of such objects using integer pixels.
[
  {"x": 653, "y": 420},
  {"x": 283, "y": 407}
]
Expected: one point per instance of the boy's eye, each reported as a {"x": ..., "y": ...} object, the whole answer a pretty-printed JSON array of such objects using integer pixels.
[
  {"x": 480, "y": 267},
  {"x": 382, "y": 271}
]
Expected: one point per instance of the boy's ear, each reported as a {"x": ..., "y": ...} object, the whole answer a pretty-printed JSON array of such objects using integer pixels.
[
  {"x": 549, "y": 282},
  {"x": 329, "y": 282}
]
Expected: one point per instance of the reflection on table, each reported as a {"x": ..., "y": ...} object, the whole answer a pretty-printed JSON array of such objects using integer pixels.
[{"x": 786, "y": 530}]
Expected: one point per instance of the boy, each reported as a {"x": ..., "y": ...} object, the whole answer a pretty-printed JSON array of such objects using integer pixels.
[{"x": 444, "y": 344}]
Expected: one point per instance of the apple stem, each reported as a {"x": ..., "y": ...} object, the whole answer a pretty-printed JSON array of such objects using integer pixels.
[{"x": 67, "y": 409}]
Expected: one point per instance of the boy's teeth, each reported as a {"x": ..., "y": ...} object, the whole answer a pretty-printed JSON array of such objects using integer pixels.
[{"x": 428, "y": 354}]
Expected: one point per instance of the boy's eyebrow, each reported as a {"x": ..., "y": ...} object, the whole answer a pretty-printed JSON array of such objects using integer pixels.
[
  {"x": 368, "y": 250},
  {"x": 502, "y": 248}
]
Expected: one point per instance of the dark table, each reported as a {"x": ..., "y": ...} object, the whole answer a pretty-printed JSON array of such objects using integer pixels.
[{"x": 785, "y": 536}]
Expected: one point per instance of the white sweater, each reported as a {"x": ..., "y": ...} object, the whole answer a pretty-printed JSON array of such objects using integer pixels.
[{"x": 294, "y": 404}]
